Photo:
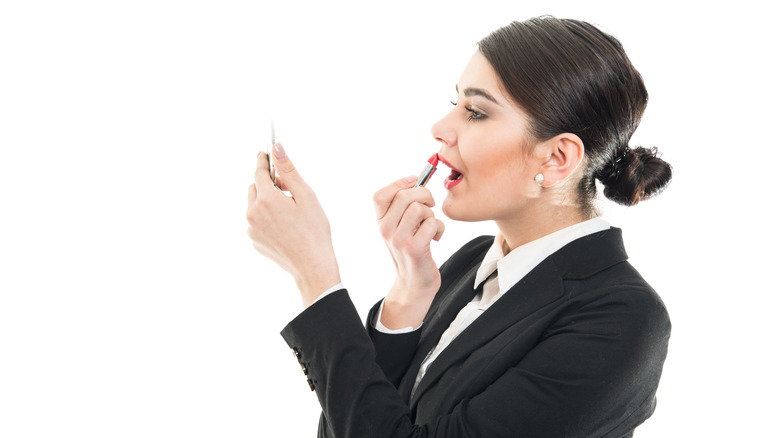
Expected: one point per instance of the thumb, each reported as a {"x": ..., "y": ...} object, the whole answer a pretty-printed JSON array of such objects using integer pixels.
[{"x": 291, "y": 178}]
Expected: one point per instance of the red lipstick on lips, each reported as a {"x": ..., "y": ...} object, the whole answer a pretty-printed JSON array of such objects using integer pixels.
[{"x": 427, "y": 171}]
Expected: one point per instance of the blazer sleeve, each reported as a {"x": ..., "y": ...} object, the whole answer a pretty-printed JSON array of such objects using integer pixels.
[
  {"x": 594, "y": 374},
  {"x": 394, "y": 352},
  {"x": 339, "y": 360}
]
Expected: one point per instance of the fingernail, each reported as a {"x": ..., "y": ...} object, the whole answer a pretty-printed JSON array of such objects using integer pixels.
[
  {"x": 411, "y": 178},
  {"x": 279, "y": 152}
]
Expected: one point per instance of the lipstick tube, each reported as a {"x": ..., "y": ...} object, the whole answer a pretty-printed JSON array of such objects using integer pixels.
[{"x": 427, "y": 171}]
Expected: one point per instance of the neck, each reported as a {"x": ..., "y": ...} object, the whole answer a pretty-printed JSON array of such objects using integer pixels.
[{"x": 523, "y": 228}]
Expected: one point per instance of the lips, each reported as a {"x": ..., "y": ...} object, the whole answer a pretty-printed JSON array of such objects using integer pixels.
[{"x": 455, "y": 176}]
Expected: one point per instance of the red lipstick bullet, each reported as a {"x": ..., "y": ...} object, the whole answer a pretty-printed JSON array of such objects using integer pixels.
[{"x": 428, "y": 170}]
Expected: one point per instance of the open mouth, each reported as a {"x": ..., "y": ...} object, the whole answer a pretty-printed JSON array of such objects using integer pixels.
[{"x": 453, "y": 178}]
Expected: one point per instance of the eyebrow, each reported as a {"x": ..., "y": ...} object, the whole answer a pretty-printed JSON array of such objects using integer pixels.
[{"x": 471, "y": 91}]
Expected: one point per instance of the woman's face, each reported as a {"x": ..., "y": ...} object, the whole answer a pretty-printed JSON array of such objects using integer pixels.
[{"x": 485, "y": 140}]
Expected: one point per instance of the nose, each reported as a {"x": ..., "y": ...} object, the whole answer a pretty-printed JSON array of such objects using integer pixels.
[{"x": 444, "y": 132}]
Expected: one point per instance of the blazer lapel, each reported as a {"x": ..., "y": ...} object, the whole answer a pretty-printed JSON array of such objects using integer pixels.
[
  {"x": 540, "y": 287},
  {"x": 440, "y": 317}
]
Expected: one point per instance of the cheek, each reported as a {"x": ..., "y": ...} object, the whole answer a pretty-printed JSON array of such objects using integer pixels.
[
  {"x": 505, "y": 171},
  {"x": 506, "y": 183}
]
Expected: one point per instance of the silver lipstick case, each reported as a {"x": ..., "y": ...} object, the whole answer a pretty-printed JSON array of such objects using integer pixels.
[{"x": 425, "y": 175}]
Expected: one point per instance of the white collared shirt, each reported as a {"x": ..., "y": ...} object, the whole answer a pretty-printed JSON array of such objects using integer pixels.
[{"x": 514, "y": 266}]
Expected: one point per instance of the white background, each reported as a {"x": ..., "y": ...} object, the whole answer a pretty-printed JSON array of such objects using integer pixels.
[{"x": 132, "y": 301}]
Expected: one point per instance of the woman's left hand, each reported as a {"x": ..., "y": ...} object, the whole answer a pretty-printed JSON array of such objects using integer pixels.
[{"x": 293, "y": 231}]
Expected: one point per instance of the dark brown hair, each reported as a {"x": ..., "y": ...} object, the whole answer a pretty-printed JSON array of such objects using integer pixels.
[{"x": 571, "y": 77}]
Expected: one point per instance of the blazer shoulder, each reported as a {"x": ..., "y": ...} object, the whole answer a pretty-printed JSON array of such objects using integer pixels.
[
  {"x": 591, "y": 254},
  {"x": 596, "y": 272},
  {"x": 635, "y": 310}
]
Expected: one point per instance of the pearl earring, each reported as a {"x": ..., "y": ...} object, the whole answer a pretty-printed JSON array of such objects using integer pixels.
[{"x": 539, "y": 179}]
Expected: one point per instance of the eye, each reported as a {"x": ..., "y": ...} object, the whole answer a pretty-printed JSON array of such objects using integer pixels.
[{"x": 474, "y": 114}]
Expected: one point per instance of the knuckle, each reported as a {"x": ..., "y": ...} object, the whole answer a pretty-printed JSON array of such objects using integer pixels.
[
  {"x": 379, "y": 198},
  {"x": 425, "y": 226},
  {"x": 404, "y": 196},
  {"x": 424, "y": 196},
  {"x": 401, "y": 185},
  {"x": 252, "y": 216},
  {"x": 418, "y": 209},
  {"x": 257, "y": 211},
  {"x": 385, "y": 230}
]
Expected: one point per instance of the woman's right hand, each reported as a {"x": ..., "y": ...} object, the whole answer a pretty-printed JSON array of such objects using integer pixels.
[{"x": 407, "y": 224}]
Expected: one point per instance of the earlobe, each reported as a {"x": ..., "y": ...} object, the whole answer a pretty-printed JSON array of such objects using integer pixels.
[{"x": 566, "y": 152}]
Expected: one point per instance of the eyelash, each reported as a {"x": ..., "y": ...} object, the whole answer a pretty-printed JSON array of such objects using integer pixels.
[{"x": 474, "y": 114}]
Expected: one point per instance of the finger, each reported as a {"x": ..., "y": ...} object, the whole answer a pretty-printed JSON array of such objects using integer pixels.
[
  {"x": 439, "y": 228},
  {"x": 292, "y": 179},
  {"x": 402, "y": 201},
  {"x": 252, "y": 193},
  {"x": 263, "y": 180},
  {"x": 384, "y": 196},
  {"x": 409, "y": 226},
  {"x": 430, "y": 229}
]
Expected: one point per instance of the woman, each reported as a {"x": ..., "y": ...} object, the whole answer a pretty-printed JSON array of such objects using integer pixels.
[{"x": 544, "y": 330}]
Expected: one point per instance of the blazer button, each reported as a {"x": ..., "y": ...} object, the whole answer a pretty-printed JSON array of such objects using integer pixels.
[
  {"x": 296, "y": 353},
  {"x": 311, "y": 384},
  {"x": 304, "y": 369}
]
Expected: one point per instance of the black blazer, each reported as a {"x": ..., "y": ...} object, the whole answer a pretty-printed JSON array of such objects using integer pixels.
[{"x": 575, "y": 349}]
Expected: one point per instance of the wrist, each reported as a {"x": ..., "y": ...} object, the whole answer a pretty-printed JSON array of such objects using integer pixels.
[
  {"x": 407, "y": 295},
  {"x": 402, "y": 308},
  {"x": 396, "y": 316},
  {"x": 317, "y": 280}
]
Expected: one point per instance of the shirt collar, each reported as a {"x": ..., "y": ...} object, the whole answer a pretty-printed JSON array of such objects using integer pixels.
[{"x": 513, "y": 266}]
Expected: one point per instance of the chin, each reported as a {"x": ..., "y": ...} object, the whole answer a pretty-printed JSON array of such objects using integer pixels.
[{"x": 460, "y": 211}]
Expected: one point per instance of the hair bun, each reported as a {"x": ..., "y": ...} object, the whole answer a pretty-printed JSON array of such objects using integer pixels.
[{"x": 635, "y": 175}]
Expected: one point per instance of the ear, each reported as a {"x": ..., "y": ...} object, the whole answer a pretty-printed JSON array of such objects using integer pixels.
[{"x": 563, "y": 155}]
